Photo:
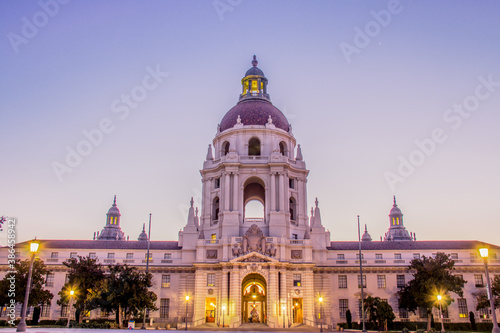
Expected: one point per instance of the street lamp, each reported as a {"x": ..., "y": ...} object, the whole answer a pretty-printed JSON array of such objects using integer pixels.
[
  {"x": 283, "y": 307},
  {"x": 223, "y": 310},
  {"x": 439, "y": 297},
  {"x": 187, "y": 301},
  {"x": 484, "y": 254},
  {"x": 321, "y": 313},
  {"x": 71, "y": 294},
  {"x": 33, "y": 249}
]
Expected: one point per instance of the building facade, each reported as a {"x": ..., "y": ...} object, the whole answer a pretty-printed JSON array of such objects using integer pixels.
[{"x": 273, "y": 269}]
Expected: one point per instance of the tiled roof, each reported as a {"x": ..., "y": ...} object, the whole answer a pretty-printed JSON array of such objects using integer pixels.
[
  {"x": 411, "y": 245},
  {"x": 254, "y": 112},
  {"x": 102, "y": 244}
]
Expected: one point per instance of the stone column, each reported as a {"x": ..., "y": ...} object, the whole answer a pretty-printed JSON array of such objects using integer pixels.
[
  {"x": 236, "y": 192},
  {"x": 226, "y": 191},
  {"x": 282, "y": 200},
  {"x": 273, "y": 192}
]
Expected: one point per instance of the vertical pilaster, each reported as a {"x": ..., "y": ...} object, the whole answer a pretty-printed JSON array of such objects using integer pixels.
[
  {"x": 273, "y": 192},
  {"x": 226, "y": 191},
  {"x": 282, "y": 200}
]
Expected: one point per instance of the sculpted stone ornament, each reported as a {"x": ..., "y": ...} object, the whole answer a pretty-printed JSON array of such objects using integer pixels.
[
  {"x": 232, "y": 154},
  {"x": 254, "y": 241}
]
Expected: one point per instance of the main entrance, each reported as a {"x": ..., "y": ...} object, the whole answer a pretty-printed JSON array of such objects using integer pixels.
[{"x": 254, "y": 299}]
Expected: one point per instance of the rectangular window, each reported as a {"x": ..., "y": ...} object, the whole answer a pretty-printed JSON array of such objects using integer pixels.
[
  {"x": 445, "y": 312},
  {"x": 164, "y": 307},
  {"x": 478, "y": 279},
  {"x": 297, "y": 280},
  {"x": 146, "y": 256},
  {"x": 211, "y": 279},
  {"x": 362, "y": 256},
  {"x": 484, "y": 313},
  {"x": 213, "y": 237},
  {"x": 342, "y": 281},
  {"x": 340, "y": 256},
  {"x": 343, "y": 307},
  {"x": 397, "y": 255},
  {"x": 73, "y": 255},
  {"x": 400, "y": 281},
  {"x": 378, "y": 256},
  {"x": 167, "y": 256},
  {"x": 454, "y": 256},
  {"x": 403, "y": 313},
  {"x": 216, "y": 182},
  {"x": 416, "y": 255},
  {"x": 111, "y": 256},
  {"x": 92, "y": 255},
  {"x": 364, "y": 281},
  {"x": 473, "y": 255},
  {"x": 295, "y": 236},
  {"x": 54, "y": 255},
  {"x": 291, "y": 183},
  {"x": 422, "y": 312},
  {"x": 463, "y": 312},
  {"x": 381, "y": 281},
  {"x": 45, "y": 310},
  {"x": 64, "y": 310},
  {"x": 165, "y": 280},
  {"x": 129, "y": 256},
  {"x": 49, "y": 280}
]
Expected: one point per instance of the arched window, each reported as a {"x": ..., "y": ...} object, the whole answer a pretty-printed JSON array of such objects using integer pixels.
[
  {"x": 293, "y": 210},
  {"x": 225, "y": 148},
  {"x": 215, "y": 209},
  {"x": 254, "y": 147},
  {"x": 283, "y": 149}
]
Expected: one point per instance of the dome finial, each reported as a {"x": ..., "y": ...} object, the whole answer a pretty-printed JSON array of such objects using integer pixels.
[
  {"x": 114, "y": 201},
  {"x": 395, "y": 201},
  {"x": 254, "y": 61}
]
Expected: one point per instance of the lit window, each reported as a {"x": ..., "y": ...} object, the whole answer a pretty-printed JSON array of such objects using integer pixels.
[
  {"x": 165, "y": 280},
  {"x": 211, "y": 279},
  {"x": 364, "y": 281},
  {"x": 462, "y": 308},
  {"x": 146, "y": 256},
  {"x": 213, "y": 237},
  {"x": 297, "y": 280}
]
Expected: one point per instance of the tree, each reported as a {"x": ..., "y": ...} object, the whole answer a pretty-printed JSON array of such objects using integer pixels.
[
  {"x": 125, "y": 292},
  {"x": 431, "y": 276},
  {"x": 379, "y": 311},
  {"x": 85, "y": 276},
  {"x": 348, "y": 318},
  {"x": 482, "y": 297},
  {"x": 38, "y": 295}
]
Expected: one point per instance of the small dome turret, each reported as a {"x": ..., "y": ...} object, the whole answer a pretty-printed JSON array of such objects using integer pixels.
[
  {"x": 366, "y": 236},
  {"x": 143, "y": 236}
]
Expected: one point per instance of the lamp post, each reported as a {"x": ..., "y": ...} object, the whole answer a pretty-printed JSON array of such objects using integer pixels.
[
  {"x": 22, "y": 324},
  {"x": 223, "y": 310},
  {"x": 71, "y": 294},
  {"x": 439, "y": 298},
  {"x": 283, "y": 308},
  {"x": 187, "y": 301},
  {"x": 321, "y": 313},
  {"x": 484, "y": 254},
  {"x": 147, "y": 268},
  {"x": 361, "y": 277}
]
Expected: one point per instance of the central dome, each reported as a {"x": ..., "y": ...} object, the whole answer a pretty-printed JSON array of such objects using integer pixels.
[
  {"x": 254, "y": 107},
  {"x": 254, "y": 112}
]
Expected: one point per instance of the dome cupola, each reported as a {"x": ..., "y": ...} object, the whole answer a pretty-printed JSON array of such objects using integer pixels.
[
  {"x": 254, "y": 84},
  {"x": 143, "y": 236},
  {"x": 112, "y": 229}
]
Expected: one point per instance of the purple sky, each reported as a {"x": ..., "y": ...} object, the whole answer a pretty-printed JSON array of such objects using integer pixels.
[{"x": 360, "y": 81}]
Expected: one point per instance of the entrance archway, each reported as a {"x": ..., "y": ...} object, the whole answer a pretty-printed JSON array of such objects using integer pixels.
[{"x": 254, "y": 299}]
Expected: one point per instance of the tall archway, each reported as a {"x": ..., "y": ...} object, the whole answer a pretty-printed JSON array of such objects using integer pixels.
[
  {"x": 283, "y": 149},
  {"x": 254, "y": 192},
  {"x": 225, "y": 148},
  {"x": 254, "y": 147},
  {"x": 254, "y": 299},
  {"x": 215, "y": 210}
]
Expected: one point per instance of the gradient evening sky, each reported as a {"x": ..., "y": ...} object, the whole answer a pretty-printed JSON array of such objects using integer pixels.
[{"x": 353, "y": 119}]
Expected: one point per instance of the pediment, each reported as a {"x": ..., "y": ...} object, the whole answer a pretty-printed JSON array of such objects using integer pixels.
[{"x": 253, "y": 257}]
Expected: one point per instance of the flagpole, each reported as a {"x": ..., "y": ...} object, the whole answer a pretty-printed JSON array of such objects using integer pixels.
[{"x": 361, "y": 273}]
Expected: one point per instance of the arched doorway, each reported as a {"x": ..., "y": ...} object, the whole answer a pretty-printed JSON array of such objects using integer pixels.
[
  {"x": 254, "y": 197},
  {"x": 254, "y": 299}
]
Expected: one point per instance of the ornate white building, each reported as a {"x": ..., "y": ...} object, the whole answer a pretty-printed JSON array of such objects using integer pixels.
[{"x": 273, "y": 269}]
